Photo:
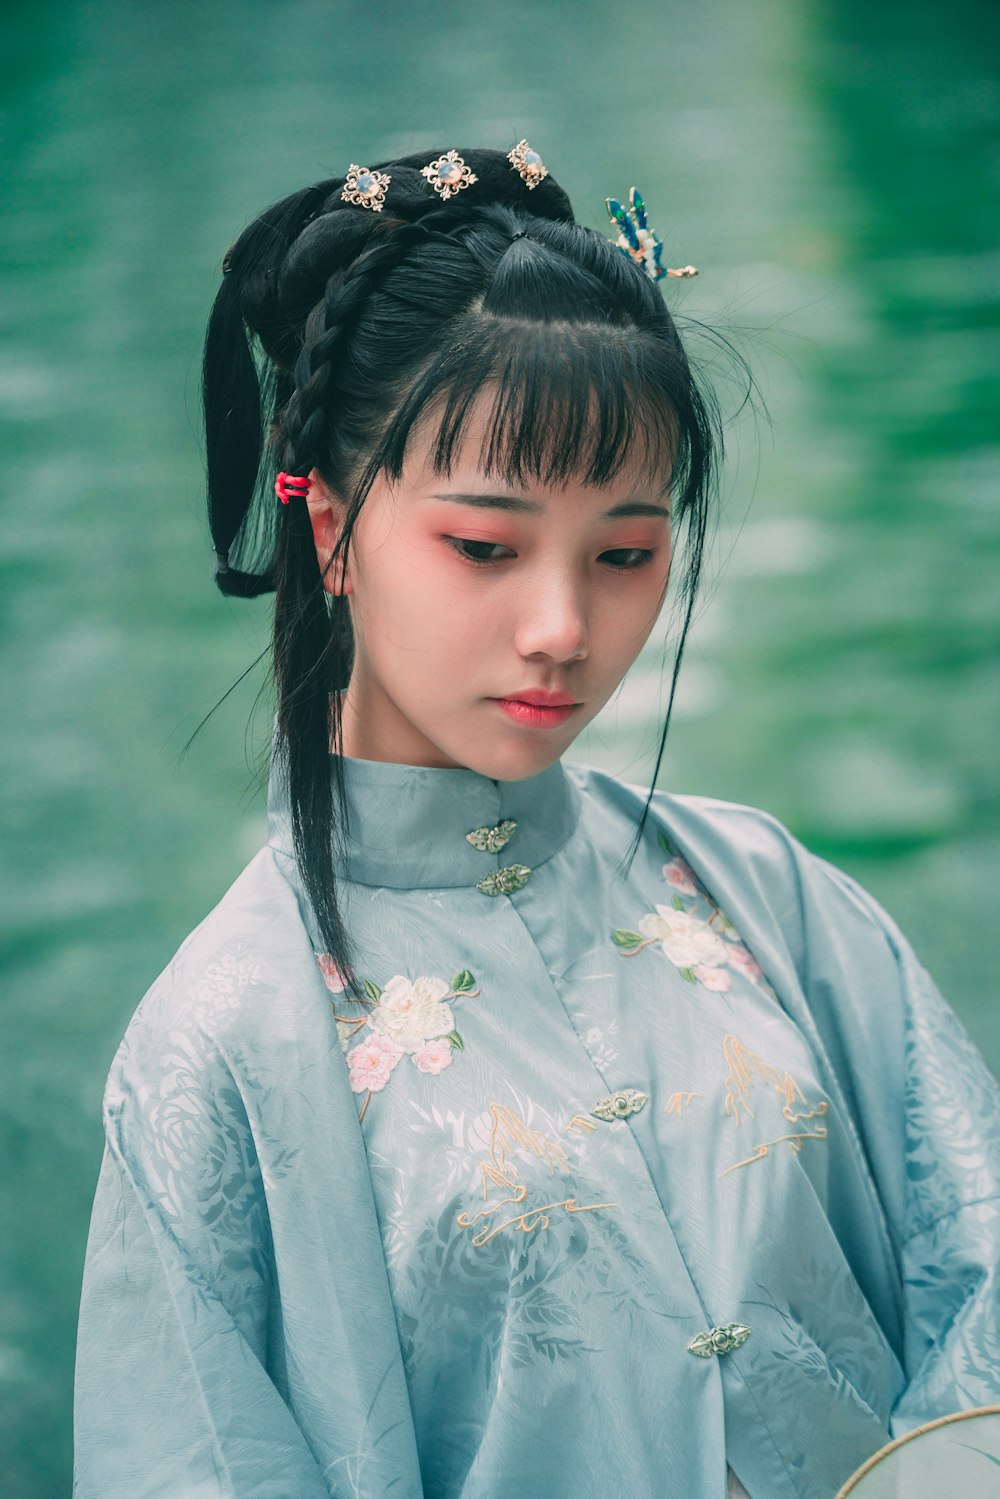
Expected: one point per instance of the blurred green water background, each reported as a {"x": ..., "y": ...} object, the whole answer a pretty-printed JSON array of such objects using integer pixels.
[{"x": 833, "y": 168}]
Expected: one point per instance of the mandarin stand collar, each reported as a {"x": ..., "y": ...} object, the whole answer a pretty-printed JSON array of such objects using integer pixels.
[{"x": 409, "y": 824}]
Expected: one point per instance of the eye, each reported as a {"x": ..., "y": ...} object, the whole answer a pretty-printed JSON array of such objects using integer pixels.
[
  {"x": 636, "y": 557},
  {"x": 641, "y": 556},
  {"x": 458, "y": 542}
]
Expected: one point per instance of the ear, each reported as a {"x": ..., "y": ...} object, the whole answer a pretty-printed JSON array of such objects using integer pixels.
[{"x": 326, "y": 516}]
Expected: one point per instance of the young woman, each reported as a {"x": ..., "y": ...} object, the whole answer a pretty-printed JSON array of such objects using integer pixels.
[{"x": 508, "y": 1129}]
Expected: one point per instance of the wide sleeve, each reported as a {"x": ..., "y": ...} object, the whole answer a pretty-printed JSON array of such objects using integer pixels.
[
  {"x": 928, "y": 1116},
  {"x": 173, "y": 1396}
]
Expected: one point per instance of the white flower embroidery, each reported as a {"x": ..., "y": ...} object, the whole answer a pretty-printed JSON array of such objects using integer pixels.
[
  {"x": 412, "y": 1011},
  {"x": 686, "y": 941},
  {"x": 408, "y": 1017}
]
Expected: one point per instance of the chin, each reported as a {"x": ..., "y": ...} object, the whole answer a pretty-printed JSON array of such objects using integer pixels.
[{"x": 514, "y": 762}]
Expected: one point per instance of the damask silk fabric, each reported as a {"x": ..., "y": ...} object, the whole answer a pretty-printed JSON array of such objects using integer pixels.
[{"x": 643, "y": 1179}]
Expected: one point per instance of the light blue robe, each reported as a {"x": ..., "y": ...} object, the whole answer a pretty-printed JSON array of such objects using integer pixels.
[{"x": 486, "y": 1289}]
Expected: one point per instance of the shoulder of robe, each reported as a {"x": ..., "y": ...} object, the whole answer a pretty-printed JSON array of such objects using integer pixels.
[
  {"x": 245, "y": 983},
  {"x": 750, "y": 859},
  {"x": 723, "y": 830}
]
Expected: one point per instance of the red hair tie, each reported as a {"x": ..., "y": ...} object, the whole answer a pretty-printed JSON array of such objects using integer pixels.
[{"x": 288, "y": 487}]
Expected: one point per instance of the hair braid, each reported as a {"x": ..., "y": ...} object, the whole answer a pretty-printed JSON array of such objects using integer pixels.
[
  {"x": 306, "y": 416},
  {"x": 315, "y": 659}
]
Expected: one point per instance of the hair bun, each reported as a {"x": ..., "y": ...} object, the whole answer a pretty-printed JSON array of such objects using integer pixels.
[
  {"x": 338, "y": 231},
  {"x": 330, "y": 242},
  {"x": 497, "y": 181}
]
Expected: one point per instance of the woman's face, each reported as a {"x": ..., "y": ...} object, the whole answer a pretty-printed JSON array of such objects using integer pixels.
[{"x": 571, "y": 587}]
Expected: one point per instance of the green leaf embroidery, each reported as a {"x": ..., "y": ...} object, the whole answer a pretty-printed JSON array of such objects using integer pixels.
[
  {"x": 622, "y": 938},
  {"x": 689, "y": 974},
  {"x": 661, "y": 840},
  {"x": 678, "y": 904},
  {"x": 372, "y": 990},
  {"x": 455, "y": 1040},
  {"x": 462, "y": 981}
]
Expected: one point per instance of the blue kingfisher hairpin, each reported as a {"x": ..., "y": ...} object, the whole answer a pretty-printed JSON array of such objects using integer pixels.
[{"x": 637, "y": 240}]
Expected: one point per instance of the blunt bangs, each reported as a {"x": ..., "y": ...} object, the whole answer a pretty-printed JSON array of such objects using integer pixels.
[{"x": 563, "y": 400}]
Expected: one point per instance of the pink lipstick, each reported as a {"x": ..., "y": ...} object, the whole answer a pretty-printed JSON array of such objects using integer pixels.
[{"x": 540, "y": 710}]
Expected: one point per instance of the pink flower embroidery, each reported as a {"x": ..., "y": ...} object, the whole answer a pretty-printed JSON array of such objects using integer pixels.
[
  {"x": 435, "y": 1056},
  {"x": 680, "y": 874},
  {"x": 713, "y": 978},
  {"x": 744, "y": 962},
  {"x": 371, "y": 1063},
  {"x": 332, "y": 977}
]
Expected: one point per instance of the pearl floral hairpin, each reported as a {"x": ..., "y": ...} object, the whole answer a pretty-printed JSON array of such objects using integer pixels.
[
  {"x": 448, "y": 174},
  {"x": 528, "y": 164},
  {"x": 365, "y": 187},
  {"x": 637, "y": 240}
]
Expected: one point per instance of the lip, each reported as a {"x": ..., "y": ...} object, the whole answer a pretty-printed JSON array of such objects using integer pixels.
[
  {"x": 536, "y": 715},
  {"x": 540, "y": 699}
]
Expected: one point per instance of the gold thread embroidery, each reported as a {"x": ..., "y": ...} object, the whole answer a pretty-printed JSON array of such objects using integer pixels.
[
  {"x": 528, "y": 1221},
  {"x": 816, "y": 1113},
  {"x": 678, "y": 1102},
  {"x": 508, "y": 1133},
  {"x": 794, "y": 1141},
  {"x": 745, "y": 1069},
  {"x": 742, "y": 1065},
  {"x": 580, "y": 1122}
]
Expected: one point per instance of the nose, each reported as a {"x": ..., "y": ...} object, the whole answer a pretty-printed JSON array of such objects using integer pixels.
[{"x": 553, "y": 620}]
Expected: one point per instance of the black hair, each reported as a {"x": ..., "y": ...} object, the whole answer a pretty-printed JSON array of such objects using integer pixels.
[{"x": 337, "y": 328}]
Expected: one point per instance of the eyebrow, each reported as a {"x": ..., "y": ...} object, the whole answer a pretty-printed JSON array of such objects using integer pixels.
[{"x": 532, "y": 507}]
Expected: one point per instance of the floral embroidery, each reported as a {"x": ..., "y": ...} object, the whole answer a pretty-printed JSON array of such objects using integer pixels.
[
  {"x": 409, "y": 1017},
  {"x": 741, "y": 959},
  {"x": 703, "y": 949},
  {"x": 713, "y": 978},
  {"x": 412, "y": 1012},
  {"x": 219, "y": 992},
  {"x": 371, "y": 1062},
  {"x": 687, "y": 942},
  {"x": 601, "y": 1043},
  {"x": 434, "y": 1057},
  {"x": 330, "y": 969},
  {"x": 680, "y": 874},
  {"x": 509, "y": 1133}
]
